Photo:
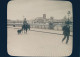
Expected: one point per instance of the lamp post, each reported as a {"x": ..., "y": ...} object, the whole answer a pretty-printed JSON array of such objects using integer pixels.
[{"x": 68, "y": 14}]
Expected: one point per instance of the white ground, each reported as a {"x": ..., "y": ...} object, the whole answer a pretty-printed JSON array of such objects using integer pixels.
[{"x": 37, "y": 44}]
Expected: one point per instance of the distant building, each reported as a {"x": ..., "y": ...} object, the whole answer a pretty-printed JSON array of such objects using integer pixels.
[{"x": 41, "y": 19}]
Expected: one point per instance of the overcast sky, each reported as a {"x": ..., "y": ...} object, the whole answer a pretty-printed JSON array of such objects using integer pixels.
[{"x": 31, "y": 9}]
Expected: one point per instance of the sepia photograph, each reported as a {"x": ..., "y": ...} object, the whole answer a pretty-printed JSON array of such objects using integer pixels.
[{"x": 39, "y": 28}]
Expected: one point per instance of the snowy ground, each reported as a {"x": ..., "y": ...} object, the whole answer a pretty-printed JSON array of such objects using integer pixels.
[{"x": 37, "y": 43}]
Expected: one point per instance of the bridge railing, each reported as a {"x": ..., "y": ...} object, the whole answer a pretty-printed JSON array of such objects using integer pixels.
[{"x": 54, "y": 26}]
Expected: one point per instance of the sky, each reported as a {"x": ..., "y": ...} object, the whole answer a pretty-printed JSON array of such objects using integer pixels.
[{"x": 30, "y": 9}]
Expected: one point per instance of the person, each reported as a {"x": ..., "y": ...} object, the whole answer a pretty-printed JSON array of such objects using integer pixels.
[
  {"x": 24, "y": 22},
  {"x": 66, "y": 32}
]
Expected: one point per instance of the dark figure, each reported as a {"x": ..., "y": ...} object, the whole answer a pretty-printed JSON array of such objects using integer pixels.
[
  {"x": 66, "y": 32},
  {"x": 19, "y": 31},
  {"x": 13, "y": 25}
]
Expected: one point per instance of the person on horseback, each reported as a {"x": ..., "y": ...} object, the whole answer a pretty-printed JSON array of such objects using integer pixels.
[{"x": 24, "y": 26}]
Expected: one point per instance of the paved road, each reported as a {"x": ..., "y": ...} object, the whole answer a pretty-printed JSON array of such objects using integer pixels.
[{"x": 37, "y": 44}]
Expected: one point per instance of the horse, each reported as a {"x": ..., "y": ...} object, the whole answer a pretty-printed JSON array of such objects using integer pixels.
[{"x": 25, "y": 27}]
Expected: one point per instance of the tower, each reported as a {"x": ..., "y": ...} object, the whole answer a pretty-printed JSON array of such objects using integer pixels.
[{"x": 44, "y": 16}]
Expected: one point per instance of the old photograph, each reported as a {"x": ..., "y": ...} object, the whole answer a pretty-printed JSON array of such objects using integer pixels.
[{"x": 39, "y": 28}]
